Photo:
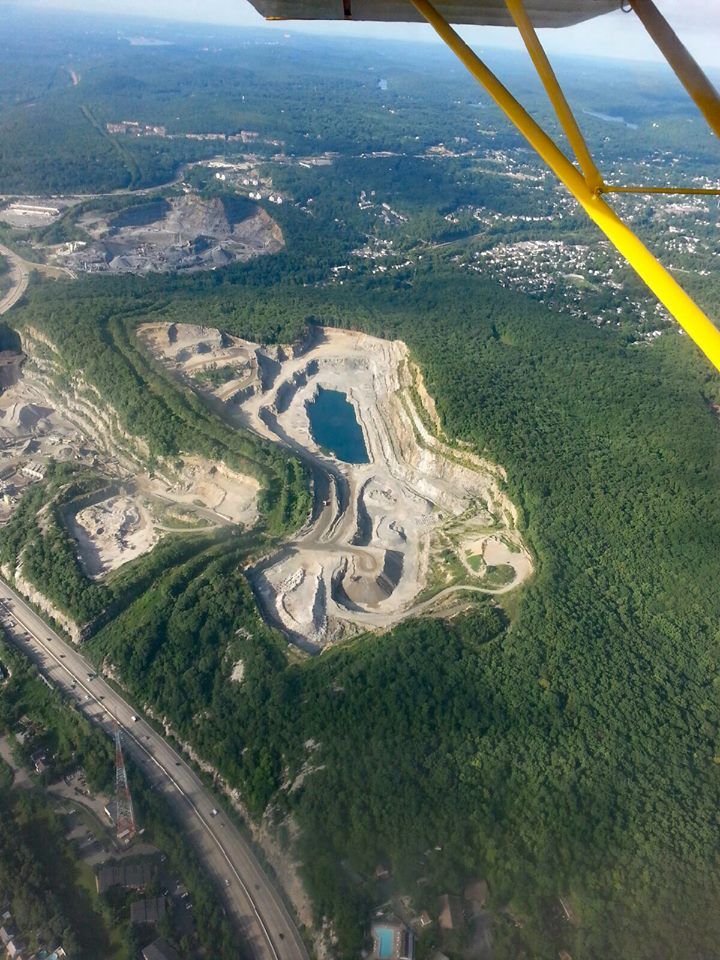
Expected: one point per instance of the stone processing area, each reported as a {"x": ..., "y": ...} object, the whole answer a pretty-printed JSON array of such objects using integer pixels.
[
  {"x": 182, "y": 233},
  {"x": 417, "y": 523}
]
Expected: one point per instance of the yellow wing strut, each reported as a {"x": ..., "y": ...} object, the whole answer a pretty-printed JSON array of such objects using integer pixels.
[
  {"x": 681, "y": 306},
  {"x": 554, "y": 91},
  {"x": 685, "y": 67}
]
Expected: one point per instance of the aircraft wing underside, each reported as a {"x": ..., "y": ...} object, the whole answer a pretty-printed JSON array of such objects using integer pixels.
[{"x": 544, "y": 13}]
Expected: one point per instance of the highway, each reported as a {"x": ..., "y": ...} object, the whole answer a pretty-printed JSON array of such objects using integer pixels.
[{"x": 247, "y": 893}]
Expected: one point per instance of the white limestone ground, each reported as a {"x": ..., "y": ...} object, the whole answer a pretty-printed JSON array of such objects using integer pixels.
[
  {"x": 111, "y": 532},
  {"x": 380, "y": 532},
  {"x": 47, "y": 415},
  {"x": 217, "y": 492}
]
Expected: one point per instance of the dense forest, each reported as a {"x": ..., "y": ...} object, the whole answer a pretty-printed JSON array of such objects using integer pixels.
[
  {"x": 565, "y": 745},
  {"x": 568, "y": 752},
  {"x": 73, "y": 74}
]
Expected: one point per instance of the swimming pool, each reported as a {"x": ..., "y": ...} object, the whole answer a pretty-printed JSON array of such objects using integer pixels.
[{"x": 385, "y": 942}]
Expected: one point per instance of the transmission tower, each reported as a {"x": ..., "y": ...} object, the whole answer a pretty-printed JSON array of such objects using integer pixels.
[{"x": 125, "y": 826}]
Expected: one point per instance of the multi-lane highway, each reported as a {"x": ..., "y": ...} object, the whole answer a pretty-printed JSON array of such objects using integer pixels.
[{"x": 248, "y": 894}]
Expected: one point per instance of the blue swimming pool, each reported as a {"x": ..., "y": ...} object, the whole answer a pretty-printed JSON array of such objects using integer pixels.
[{"x": 385, "y": 942}]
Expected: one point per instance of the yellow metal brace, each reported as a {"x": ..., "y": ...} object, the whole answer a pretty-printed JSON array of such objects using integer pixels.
[
  {"x": 593, "y": 178},
  {"x": 687, "y": 313},
  {"x": 672, "y": 191}
]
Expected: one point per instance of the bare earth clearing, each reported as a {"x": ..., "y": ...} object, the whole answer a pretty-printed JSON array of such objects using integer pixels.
[
  {"x": 111, "y": 532},
  {"x": 44, "y": 416},
  {"x": 184, "y": 233},
  {"x": 421, "y": 521}
]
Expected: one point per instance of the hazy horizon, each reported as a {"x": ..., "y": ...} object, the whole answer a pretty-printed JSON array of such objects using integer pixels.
[{"x": 614, "y": 36}]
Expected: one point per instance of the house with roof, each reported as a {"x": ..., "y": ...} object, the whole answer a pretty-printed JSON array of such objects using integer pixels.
[
  {"x": 15, "y": 949},
  {"x": 160, "y": 949},
  {"x": 39, "y": 759},
  {"x": 476, "y": 893},
  {"x": 148, "y": 911},
  {"x": 129, "y": 876},
  {"x": 451, "y": 915}
]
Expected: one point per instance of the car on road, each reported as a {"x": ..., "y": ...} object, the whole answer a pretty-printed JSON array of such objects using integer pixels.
[
  {"x": 134, "y": 718},
  {"x": 213, "y": 812}
]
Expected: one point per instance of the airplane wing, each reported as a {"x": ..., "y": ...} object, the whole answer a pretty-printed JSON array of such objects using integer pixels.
[{"x": 544, "y": 13}]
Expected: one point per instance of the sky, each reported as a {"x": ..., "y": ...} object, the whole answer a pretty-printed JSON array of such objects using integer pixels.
[{"x": 615, "y": 35}]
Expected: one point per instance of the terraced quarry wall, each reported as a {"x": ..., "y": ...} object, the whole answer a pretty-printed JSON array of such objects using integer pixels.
[{"x": 420, "y": 523}]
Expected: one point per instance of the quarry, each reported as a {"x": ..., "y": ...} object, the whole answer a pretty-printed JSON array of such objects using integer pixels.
[
  {"x": 111, "y": 532},
  {"x": 44, "y": 417},
  {"x": 405, "y": 522},
  {"x": 180, "y": 233}
]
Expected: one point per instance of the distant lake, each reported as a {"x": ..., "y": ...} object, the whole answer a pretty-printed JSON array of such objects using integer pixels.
[
  {"x": 334, "y": 426},
  {"x": 609, "y": 118}
]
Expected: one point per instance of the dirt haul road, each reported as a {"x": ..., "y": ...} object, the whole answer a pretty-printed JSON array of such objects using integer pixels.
[
  {"x": 20, "y": 276},
  {"x": 247, "y": 893}
]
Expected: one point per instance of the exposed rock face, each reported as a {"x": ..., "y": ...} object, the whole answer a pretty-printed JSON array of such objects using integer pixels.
[
  {"x": 10, "y": 366},
  {"x": 109, "y": 530},
  {"x": 182, "y": 233},
  {"x": 53, "y": 413},
  {"x": 34, "y": 596}
]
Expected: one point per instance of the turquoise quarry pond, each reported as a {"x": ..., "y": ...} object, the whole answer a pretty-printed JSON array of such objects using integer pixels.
[{"x": 334, "y": 426}]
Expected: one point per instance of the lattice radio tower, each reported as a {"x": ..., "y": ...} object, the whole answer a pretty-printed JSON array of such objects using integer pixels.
[{"x": 125, "y": 826}]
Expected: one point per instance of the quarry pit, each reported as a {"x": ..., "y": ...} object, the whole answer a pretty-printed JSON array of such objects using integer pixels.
[
  {"x": 167, "y": 235},
  {"x": 412, "y": 521}
]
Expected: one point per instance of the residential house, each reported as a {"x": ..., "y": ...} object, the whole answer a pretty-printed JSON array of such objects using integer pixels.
[
  {"x": 160, "y": 949},
  {"x": 148, "y": 911},
  {"x": 451, "y": 915}
]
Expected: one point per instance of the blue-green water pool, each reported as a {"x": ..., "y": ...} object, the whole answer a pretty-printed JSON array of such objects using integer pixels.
[{"x": 334, "y": 426}]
